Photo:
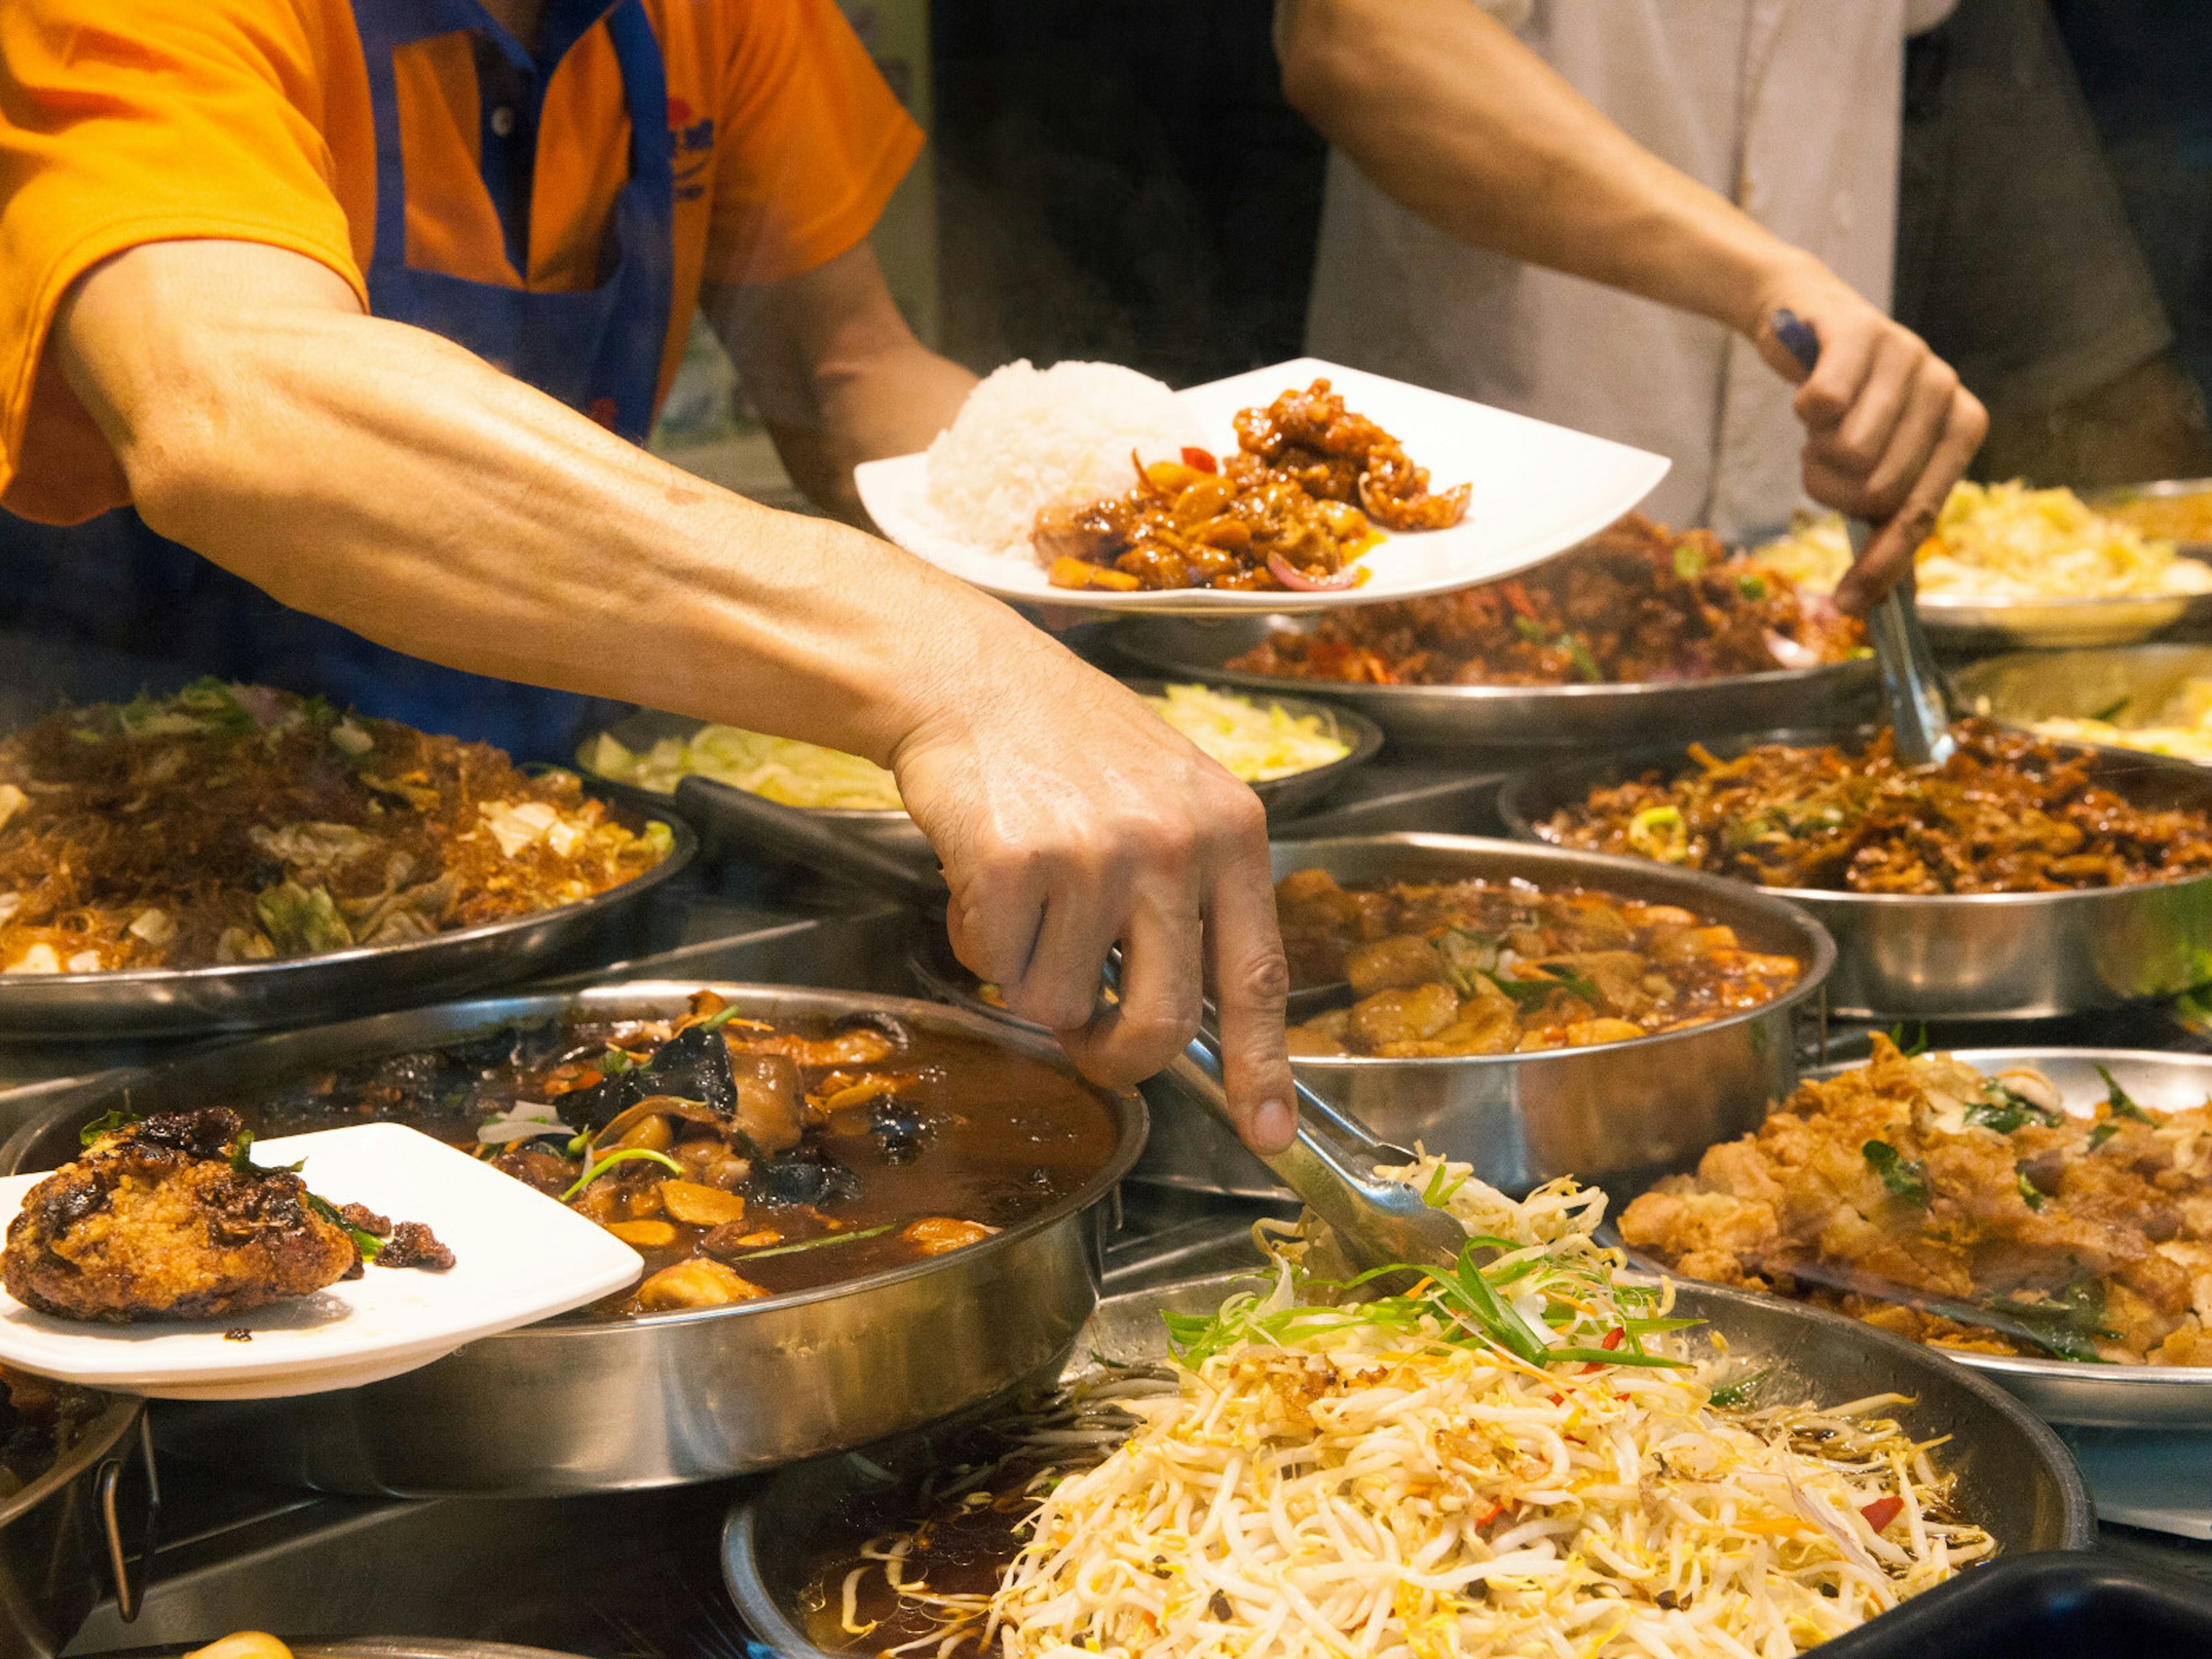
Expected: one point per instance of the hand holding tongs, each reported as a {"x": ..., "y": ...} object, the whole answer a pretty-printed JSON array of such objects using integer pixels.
[{"x": 1912, "y": 685}]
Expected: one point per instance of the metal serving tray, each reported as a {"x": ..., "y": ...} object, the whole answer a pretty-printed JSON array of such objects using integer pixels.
[
  {"x": 1976, "y": 955},
  {"x": 1515, "y": 716},
  {"x": 2023, "y": 687},
  {"x": 1609, "y": 1113},
  {"x": 583, "y": 1403},
  {"x": 701, "y": 800},
  {"x": 2014, "y": 1477},
  {"x": 152, "y": 1002}
]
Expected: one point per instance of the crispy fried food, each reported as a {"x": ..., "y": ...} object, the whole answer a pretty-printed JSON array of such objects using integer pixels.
[
  {"x": 1285, "y": 511},
  {"x": 1484, "y": 968},
  {"x": 2008, "y": 813},
  {"x": 156, "y": 1221},
  {"x": 235, "y": 823},
  {"x": 2094, "y": 1232},
  {"x": 1636, "y": 603},
  {"x": 412, "y": 1244}
]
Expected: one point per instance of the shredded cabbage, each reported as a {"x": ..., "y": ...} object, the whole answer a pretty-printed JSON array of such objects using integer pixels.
[{"x": 1256, "y": 744}]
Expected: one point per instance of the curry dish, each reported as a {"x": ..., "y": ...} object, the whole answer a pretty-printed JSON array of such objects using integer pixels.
[
  {"x": 2008, "y": 812},
  {"x": 742, "y": 1159},
  {"x": 236, "y": 824},
  {"x": 1493, "y": 968},
  {"x": 1297, "y": 502},
  {"x": 2015, "y": 1225},
  {"x": 1636, "y": 603}
]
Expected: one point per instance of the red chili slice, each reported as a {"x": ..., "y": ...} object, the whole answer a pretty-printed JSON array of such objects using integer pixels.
[
  {"x": 1611, "y": 1340},
  {"x": 1883, "y": 1510},
  {"x": 1201, "y": 459}
]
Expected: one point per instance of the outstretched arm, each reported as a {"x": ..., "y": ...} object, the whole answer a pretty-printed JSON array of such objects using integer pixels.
[
  {"x": 1450, "y": 115},
  {"x": 385, "y": 478}
]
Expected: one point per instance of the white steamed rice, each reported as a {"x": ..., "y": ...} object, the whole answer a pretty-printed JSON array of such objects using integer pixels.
[{"x": 1030, "y": 438}]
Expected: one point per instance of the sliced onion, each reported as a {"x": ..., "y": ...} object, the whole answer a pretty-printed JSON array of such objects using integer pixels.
[
  {"x": 1298, "y": 582},
  {"x": 1790, "y": 654}
]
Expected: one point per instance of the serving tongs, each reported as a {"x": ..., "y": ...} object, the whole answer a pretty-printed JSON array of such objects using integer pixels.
[{"x": 1912, "y": 685}]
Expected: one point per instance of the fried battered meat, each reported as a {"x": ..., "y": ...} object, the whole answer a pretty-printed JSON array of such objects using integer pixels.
[
  {"x": 156, "y": 1222},
  {"x": 2092, "y": 1233}
]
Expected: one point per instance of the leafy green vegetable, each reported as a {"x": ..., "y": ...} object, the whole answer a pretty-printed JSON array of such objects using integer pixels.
[
  {"x": 2119, "y": 1100},
  {"x": 615, "y": 1061},
  {"x": 301, "y": 920},
  {"x": 1466, "y": 958},
  {"x": 624, "y": 1156},
  {"x": 813, "y": 1244},
  {"x": 2101, "y": 1134},
  {"x": 1911, "y": 1050},
  {"x": 2005, "y": 1111},
  {"x": 2031, "y": 1194},
  {"x": 1528, "y": 991},
  {"x": 242, "y": 1158},
  {"x": 366, "y": 1243},
  {"x": 1732, "y": 1396},
  {"x": 1904, "y": 1179},
  {"x": 122, "y": 1117},
  {"x": 2066, "y": 1323}
]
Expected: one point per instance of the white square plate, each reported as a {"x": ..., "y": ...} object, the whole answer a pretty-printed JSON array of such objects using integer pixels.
[
  {"x": 1538, "y": 490},
  {"x": 519, "y": 1257}
]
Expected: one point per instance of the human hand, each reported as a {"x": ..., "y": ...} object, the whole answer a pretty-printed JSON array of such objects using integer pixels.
[
  {"x": 1070, "y": 818},
  {"x": 1888, "y": 428}
]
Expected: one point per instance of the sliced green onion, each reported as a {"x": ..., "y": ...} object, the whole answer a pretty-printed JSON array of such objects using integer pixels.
[{"x": 612, "y": 1158}]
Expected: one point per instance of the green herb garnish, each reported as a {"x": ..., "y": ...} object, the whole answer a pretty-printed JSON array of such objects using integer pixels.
[
  {"x": 812, "y": 1243},
  {"x": 1911, "y": 1050},
  {"x": 1904, "y": 1179},
  {"x": 2005, "y": 1111},
  {"x": 2101, "y": 1134},
  {"x": 2119, "y": 1100},
  {"x": 366, "y": 1243},
  {"x": 107, "y": 1124},
  {"x": 622, "y": 1155},
  {"x": 1732, "y": 1396},
  {"x": 1527, "y": 991},
  {"x": 2113, "y": 711},
  {"x": 1578, "y": 653},
  {"x": 2031, "y": 1194}
]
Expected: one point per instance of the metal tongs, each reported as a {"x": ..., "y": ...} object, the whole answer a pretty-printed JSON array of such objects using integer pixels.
[
  {"x": 1331, "y": 1164},
  {"x": 1912, "y": 685}
]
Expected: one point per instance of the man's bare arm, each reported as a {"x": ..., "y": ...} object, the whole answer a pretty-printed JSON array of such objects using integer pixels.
[
  {"x": 1450, "y": 115},
  {"x": 382, "y": 478},
  {"x": 835, "y": 373}
]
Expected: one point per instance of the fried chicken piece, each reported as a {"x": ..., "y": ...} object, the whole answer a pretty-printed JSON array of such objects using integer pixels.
[{"x": 154, "y": 1222}]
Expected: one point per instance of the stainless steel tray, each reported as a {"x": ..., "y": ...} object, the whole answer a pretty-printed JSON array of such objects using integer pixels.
[
  {"x": 699, "y": 799},
  {"x": 1610, "y": 1112},
  {"x": 2050, "y": 624},
  {"x": 292, "y": 990},
  {"x": 588, "y": 1404},
  {"x": 2014, "y": 1477},
  {"x": 2023, "y": 687},
  {"x": 1515, "y": 716},
  {"x": 2156, "y": 489},
  {"x": 1978, "y": 955}
]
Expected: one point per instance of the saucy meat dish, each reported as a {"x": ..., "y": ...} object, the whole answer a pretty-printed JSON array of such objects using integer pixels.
[
  {"x": 2008, "y": 812},
  {"x": 741, "y": 1159},
  {"x": 1491, "y": 968},
  {"x": 1636, "y": 603},
  {"x": 1297, "y": 502},
  {"x": 237, "y": 823},
  {"x": 2045, "y": 1231}
]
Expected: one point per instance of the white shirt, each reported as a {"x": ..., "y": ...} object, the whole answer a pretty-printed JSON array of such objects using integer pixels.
[{"x": 1790, "y": 108}]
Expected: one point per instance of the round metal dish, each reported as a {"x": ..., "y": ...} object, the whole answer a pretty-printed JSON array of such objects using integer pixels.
[
  {"x": 2071, "y": 1391},
  {"x": 2014, "y": 1477},
  {"x": 1609, "y": 1112},
  {"x": 2124, "y": 684},
  {"x": 1968, "y": 956},
  {"x": 591, "y": 1404},
  {"x": 1187, "y": 1149},
  {"x": 2051, "y": 624},
  {"x": 699, "y": 799},
  {"x": 1513, "y": 716},
  {"x": 60, "y": 1543},
  {"x": 291, "y": 990}
]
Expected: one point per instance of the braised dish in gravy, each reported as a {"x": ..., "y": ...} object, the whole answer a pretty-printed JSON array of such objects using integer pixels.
[
  {"x": 1636, "y": 603},
  {"x": 741, "y": 1159},
  {"x": 2016, "y": 1226},
  {"x": 1297, "y": 502},
  {"x": 235, "y": 823},
  {"x": 1491, "y": 968},
  {"x": 2008, "y": 813}
]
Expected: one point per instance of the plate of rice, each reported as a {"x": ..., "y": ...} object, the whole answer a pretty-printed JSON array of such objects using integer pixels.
[{"x": 1031, "y": 439}]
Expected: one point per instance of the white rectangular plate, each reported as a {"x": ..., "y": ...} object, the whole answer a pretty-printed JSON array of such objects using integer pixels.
[
  {"x": 519, "y": 1257},
  {"x": 1538, "y": 490}
]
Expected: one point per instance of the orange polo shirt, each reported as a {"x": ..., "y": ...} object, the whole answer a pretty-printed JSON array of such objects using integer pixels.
[{"x": 131, "y": 121}]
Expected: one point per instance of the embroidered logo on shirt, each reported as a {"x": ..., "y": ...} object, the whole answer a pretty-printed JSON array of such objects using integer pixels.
[{"x": 689, "y": 136}]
